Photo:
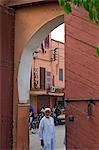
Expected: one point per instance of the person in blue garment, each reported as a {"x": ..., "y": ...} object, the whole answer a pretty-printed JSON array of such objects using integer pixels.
[
  {"x": 31, "y": 109},
  {"x": 47, "y": 131},
  {"x": 31, "y": 117}
]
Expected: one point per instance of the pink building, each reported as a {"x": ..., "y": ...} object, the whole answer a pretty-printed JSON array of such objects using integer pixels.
[{"x": 47, "y": 77}]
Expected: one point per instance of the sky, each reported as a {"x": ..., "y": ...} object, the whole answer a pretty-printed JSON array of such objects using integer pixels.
[{"x": 58, "y": 33}]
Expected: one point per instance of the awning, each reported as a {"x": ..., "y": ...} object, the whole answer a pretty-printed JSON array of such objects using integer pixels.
[
  {"x": 41, "y": 92},
  {"x": 44, "y": 92}
]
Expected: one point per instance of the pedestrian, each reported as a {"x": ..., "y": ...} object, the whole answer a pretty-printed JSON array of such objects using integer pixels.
[
  {"x": 42, "y": 109},
  {"x": 31, "y": 109},
  {"x": 54, "y": 115},
  {"x": 31, "y": 118},
  {"x": 64, "y": 140},
  {"x": 47, "y": 131}
]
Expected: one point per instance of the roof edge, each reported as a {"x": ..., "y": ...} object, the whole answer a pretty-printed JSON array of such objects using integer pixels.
[{"x": 27, "y": 3}]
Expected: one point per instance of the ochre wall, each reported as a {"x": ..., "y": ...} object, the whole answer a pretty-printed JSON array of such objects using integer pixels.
[
  {"x": 59, "y": 63},
  {"x": 22, "y": 119},
  {"x": 16, "y": 2},
  {"x": 4, "y": 1},
  {"x": 44, "y": 60}
]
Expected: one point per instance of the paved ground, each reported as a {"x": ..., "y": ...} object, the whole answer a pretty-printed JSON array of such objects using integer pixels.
[{"x": 60, "y": 131}]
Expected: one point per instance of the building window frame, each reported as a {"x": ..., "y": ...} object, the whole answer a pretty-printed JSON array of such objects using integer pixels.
[{"x": 60, "y": 74}]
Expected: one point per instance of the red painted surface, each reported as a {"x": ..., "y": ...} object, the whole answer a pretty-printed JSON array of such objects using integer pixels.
[
  {"x": 6, "y": 77},
  {"x": 24, "y": 3},
  {"x": 81, "y": 80},
  {"x": 22, "y": 126},
  {"x": 82, "y": 73},
  {"x": 83, "y": 133}
]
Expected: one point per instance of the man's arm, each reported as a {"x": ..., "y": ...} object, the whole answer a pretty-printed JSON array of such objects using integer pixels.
[{"x": 41, "y": 127}]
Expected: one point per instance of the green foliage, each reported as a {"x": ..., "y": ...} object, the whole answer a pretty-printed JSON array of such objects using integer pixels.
[
  {"x": 67, "y": 8},
  {"x": 91, "y": 6},
  {"x": 97, "y": 50}
]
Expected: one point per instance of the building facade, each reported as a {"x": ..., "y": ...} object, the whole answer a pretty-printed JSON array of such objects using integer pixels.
[{"x": 47, "y": 75}]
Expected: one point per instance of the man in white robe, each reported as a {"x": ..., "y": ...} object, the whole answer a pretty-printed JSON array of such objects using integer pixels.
[{"x": 47, "y": 131}]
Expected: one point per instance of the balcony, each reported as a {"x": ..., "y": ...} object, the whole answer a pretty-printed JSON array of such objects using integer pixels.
[
  {"x": 51, "y": 92},
  {"x": 38, "y": 91}
]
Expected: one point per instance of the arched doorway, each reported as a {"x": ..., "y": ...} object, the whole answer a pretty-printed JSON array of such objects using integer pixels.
[
  {"x": 30, "y": 31},
  {"x": 26, "y": 58}
]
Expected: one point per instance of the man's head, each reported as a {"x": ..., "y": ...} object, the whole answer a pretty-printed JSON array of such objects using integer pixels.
[{"x": 47, "y": 112}]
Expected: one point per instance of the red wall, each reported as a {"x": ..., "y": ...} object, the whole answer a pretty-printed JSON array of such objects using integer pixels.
[
  {"x": 6, "y": 77},
  {"x": 81, "y": 79},
  {"x": 82, "y": 65},
  {"x": 83, "y": 133}
]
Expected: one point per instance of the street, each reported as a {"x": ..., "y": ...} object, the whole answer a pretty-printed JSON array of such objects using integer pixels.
[{"x": 60, "y": 131}]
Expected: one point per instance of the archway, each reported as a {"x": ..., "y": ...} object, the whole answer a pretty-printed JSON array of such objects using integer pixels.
[
  {"x": 26, "y": 58},
  {"x": 28, "y": 38}
]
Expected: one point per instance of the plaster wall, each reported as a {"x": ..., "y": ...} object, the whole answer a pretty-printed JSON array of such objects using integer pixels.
[
  {"x": 30, "y": 1},
  {"x": 82, "y": 80},
  {"x": 44, "y": 60},
  {"x": 6, "y": 77},
  {"x": 82, "y": 73},
  {"x": 4, "y": 1},
  {"x": 59, "y": 63}
]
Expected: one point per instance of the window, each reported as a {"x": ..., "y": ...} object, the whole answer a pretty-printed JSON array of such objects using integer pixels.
[
  {"x": 61, "y": 74},
  {"x": 48, "y": 79},
  {"x": 42, "y": 78}
]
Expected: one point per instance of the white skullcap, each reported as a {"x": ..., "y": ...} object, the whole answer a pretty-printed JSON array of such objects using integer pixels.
[{"x": 47, "y": 109}]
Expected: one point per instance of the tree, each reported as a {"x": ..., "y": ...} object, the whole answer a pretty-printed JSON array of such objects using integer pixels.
[{"x": 91, "y": 6}]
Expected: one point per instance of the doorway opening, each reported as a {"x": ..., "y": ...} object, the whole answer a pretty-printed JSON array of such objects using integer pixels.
[
  {"x": 45, "y": 81},
  {"x": 47, "y": 86}
]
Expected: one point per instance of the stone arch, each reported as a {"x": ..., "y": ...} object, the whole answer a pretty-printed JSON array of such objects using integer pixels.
[
  {"x": 32, "y": 25},
  {"x": 26, "y": 58}
]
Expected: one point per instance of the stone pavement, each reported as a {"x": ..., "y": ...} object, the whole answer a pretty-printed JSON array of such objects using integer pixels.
[{"x": 60, "y": 131}]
